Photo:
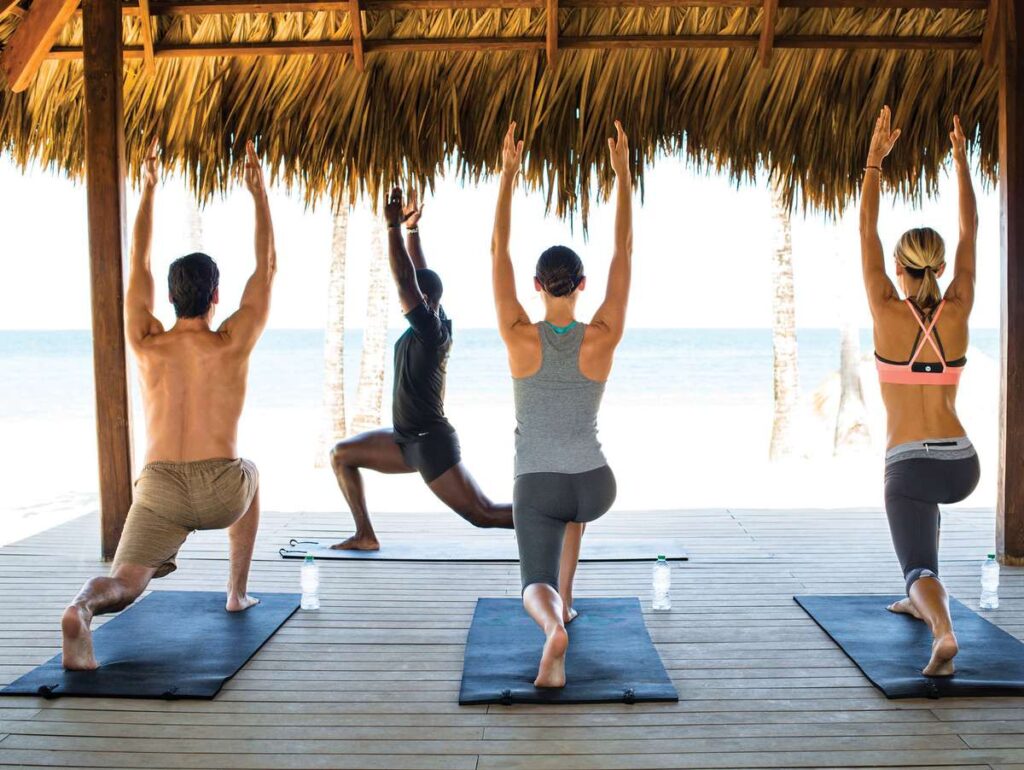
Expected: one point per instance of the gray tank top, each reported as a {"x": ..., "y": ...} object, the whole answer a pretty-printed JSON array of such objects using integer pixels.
[{"x": 556, "y": 409}]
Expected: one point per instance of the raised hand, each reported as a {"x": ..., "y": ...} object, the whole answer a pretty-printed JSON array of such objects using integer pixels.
[
  {"x": 619, "y": 149},
  {"x": 511, "y": 151},
  {"x": 413, "y": 210},
  {"x": 253, "y": 172},
  {"x": 151, "y": 165},
  {"x": 394, "y": 209},
  {"x": 882, "y": 138},
  {"x": 959, "y": 141}
]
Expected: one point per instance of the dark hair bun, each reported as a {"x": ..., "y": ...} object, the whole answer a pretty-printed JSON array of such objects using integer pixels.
[{"x": 560, "y": 271}]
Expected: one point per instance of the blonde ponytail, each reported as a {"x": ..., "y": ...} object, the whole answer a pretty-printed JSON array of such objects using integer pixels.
[{"x": 922, "y": 253}]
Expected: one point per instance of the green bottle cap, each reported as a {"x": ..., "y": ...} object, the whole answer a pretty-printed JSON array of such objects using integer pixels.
[
  {"x": 991, "y": 556},
  {"x": 308, "y": 559},
  {"x": 661, "y": 557}
]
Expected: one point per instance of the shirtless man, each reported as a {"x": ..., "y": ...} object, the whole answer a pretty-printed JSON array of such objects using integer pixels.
[
  {"x": 193, "y": 388},
  {"x": 422, "y": 438}
]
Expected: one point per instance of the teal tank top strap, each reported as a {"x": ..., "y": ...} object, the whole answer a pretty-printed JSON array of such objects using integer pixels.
[{"x": 561, "y": 329}]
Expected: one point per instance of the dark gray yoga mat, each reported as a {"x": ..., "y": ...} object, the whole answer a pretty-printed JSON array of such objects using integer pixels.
[
  {"x": 171, "y": 644},
  {"x": 499, "y": 548},
  {"x": 892, "y": 649},
  {"x": 611, "y": 658}
]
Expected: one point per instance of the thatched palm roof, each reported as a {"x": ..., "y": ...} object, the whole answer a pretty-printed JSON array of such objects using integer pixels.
[{"x": 334, "y": 131}]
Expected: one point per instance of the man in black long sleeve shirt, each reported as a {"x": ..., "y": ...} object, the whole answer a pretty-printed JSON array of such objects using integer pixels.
[{"x": 422, "y": 439}]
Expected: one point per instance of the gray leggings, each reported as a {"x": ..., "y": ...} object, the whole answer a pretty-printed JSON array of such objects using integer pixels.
[
  {"x": 543, "y": 504},
  {"x": 915, "y": 485}
]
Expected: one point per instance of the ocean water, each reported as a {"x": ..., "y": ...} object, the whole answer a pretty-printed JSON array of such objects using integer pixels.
[{"x": 48, "y": 374}]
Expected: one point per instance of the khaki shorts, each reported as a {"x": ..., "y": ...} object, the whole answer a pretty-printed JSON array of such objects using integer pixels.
[{"x": 171, "y": 500}]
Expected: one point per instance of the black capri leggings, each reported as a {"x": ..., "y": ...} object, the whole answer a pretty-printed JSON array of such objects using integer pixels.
[
  {"x": 913, "y": 490},
  {"x": 543, "y": 504}
]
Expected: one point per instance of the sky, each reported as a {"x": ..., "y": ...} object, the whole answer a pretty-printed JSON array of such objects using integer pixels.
[{"x": 702, "y": 251}]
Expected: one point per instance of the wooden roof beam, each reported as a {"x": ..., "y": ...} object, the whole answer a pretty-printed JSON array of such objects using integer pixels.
[
  {"x": 146, "y": 24},
  {"x": 990, "y": 40},
  {"x": 594, "y": 42},
  {"x": 769, "y": 12},
  {"x": 31, "y": 42},
  {"x": 356, "y": 19},
  {"x": 207, "y": 7},
  {"x": 551, "y": 36}
]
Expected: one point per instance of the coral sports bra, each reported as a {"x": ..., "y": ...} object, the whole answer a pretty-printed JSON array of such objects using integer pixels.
[{"x": 914, "y": 372}]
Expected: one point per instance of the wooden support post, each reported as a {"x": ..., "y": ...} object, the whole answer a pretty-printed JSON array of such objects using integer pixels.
[
  {"x": 105, "y": 193},
  {"x": 146, "y": 24},
  {"x": 356, "y": 16},
  {"x": 551, "y": 37},
  {"x": 989, "y": 51},
  {"x": 767, "y": 40},
  {"x": 32, "y": 40},
  {"x": 1010, "y": 513}
]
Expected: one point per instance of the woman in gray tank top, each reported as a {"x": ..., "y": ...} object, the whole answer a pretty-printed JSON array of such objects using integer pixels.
[{"x": 559, "y": 368}]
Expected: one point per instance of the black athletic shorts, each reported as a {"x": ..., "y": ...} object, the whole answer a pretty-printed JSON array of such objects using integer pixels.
[{"x": 432, "y": 454}]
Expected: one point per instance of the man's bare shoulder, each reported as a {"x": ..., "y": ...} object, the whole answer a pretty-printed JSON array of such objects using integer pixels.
[{"x": 174, "y": 343}]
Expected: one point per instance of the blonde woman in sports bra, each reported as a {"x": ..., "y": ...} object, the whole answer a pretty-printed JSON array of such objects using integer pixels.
[{"x": 920, "y": 347}]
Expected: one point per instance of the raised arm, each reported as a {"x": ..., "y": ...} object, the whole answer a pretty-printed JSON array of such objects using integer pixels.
[
  {"x": 961, "y": 288},
  {"x": 511, "y": 315},
  {"x": 878, "y": 285},
  {"x": 611, "y": 316},
  {"x": 140, "y": 297},
  {"x": 402, "y": 268},
  {"x": 413, "y": 212},
  {"x": 248, "y": 322}
]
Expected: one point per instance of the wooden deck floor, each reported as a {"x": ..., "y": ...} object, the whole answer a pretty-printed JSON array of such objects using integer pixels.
[{"x": 371, "y": 680}]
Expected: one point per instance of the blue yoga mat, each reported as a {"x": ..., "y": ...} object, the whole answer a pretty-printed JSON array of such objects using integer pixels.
[
  {"x": 494, "y": 548},
  {"x": 611, "y": 658},
  {"x": 171, "y": 644},
  {"x": 891, "y": 649}
]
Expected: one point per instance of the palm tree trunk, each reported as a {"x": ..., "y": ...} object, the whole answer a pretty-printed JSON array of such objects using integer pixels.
[
  {"x": 852, "y": 431},
  {"x": 195, "y": 229},
  {"x": 785, "y": 369},
  {"x": 333, "y": 425},
  {"x": 370, "y": 392}
]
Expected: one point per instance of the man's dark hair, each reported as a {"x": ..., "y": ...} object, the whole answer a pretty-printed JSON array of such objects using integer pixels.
[
  {"x": 560, "y": 271},
  {"x": 191, "y": 281},
  {"x": 430, "y": 284}
]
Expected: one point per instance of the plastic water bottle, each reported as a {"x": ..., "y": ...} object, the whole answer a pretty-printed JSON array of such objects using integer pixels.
[
  {"x": 989, "y": 583},
  {"x": 310, "y": 580},
  {"x": 662, "y": 582}
]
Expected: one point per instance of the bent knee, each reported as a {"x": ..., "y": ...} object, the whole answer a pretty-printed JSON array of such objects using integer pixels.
[{"x": 341, "y": 455}]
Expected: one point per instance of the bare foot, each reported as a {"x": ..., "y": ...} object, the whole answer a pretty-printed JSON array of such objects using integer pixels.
[
  {"x": 569, "y": 614},
  {"x": 905, "y": 607},
  {"x": 552, "y": 661},
  {"x": 944, "y": 649},
  {"x": 77, "y": 649},
  {"x": 239, "y": 603},
  {"x": 358, "y": 543}
]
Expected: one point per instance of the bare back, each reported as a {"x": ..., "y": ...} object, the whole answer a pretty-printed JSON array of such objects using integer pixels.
[
  {"x": 917, "y": 412},
  {"x": 193, "y": 390}
]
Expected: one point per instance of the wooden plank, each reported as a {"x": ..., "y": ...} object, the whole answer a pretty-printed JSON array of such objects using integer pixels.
[
  {"x": 593, "y": 42},
  {"x": 551, "y": 34},
  {"x": 769, "y": 12},
  {"x": 356, "y": 20},
  {"x": 370, "y": 680},
  {"x": 989, "y": 51},
  {"x": 27, "y": 48},
  {"x": 146, "y": 26},
  {"x": 1010, "y": 507},
  {"x": 204, "y": 7},
  {"x": 105, "y": 196}
]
